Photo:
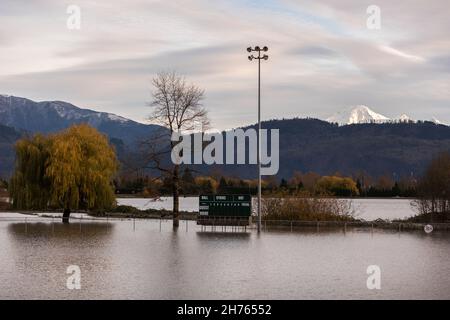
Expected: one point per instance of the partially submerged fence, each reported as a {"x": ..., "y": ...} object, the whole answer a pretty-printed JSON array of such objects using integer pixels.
[
  {"x": 266, "y": 224},
  {"x": 400, "y": 226}
]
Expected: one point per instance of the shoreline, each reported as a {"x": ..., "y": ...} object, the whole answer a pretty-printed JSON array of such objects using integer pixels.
[
  {"x": 266, "y": 224},
  {"x": 127, "y": 196}
]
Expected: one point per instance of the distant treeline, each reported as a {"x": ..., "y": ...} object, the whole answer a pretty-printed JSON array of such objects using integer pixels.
[{"x": 300, "y": 183}]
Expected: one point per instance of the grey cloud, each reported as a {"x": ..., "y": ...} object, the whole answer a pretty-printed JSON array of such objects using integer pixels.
[
  {"x": 312, "y": 71},
  {"x": 314, "y": 51},
  {"x": 441, "y": 63}
]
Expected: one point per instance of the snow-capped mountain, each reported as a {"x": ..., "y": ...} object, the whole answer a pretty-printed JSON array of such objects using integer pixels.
[
  {"x": 436, "y": 121},
  {"x": 405, "y": 118},
  {"x": 51, "y": 116},
  {"x": 358, "y": 114},
  {"x": 363, "y": 114}
]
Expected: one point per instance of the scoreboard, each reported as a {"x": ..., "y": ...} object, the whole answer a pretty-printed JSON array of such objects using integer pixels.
[{"x": 225, "y": 205}]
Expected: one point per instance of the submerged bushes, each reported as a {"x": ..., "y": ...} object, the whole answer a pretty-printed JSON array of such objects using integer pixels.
[{"x": 307, "y": 208}]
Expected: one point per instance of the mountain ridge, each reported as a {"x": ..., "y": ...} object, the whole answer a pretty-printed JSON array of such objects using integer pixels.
[
  {"x": 50, "y": 116},
  {"x": 315, "y": 145},
  {"x": 8, "y": 137},
  {"x": 376, "y": 149}
]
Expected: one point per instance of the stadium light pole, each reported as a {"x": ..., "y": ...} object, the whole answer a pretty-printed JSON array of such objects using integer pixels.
[{"x": 259, "y": 58}]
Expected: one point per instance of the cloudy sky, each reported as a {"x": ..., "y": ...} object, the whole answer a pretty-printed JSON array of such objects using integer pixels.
[{"x": 323, "y": 57}]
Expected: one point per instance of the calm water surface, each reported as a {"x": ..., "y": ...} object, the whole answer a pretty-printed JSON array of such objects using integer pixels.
[{"x": 119, "y": 259}]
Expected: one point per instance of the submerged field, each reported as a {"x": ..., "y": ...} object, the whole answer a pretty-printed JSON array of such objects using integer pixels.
[{"x": 146, "y": 259}]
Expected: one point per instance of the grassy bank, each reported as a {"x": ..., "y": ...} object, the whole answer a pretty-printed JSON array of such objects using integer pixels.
[
  {"x": 121, "y": 212},
  {"x": 133, "y": 212}
]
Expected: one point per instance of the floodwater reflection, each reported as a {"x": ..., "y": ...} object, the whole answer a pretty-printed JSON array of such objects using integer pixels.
[
  {"x": 145, "y": 259},
  {"x": 22, "y": 230}
]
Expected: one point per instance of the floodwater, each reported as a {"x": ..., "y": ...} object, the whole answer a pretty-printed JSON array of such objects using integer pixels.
[
  {"x": 368, "y": 209},
  {"x": 145, "y": 259}
]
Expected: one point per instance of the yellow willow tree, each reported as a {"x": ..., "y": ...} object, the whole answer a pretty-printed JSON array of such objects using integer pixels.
[
  {"x": 29, "y": 187},
  {"x": 70, "y": 170},
  {"x": 81, "y": 170}
]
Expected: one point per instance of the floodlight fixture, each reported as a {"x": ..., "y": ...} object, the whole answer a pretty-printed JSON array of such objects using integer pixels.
[{"x": 259, "y": 58}]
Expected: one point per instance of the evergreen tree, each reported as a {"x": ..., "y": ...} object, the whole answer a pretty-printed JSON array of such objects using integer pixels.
[
  {"x": 223, "y": 185},
  {"x": 396, "y": 190},
  {"x": 208, "y": 189},
  {"x": 283, "y": 184},
  {"x": 188, "y": 182},
  {"x": 187, "y": 176}
]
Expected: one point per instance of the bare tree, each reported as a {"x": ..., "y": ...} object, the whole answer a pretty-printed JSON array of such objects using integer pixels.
[
  {"x": 434, "y": 189},
  {"x": 177, "y": 106}
]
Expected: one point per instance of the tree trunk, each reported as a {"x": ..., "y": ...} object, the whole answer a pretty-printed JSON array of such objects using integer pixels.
[
  {"x": 176, "y": 200},
  {"x": 66, "y": 215}
]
